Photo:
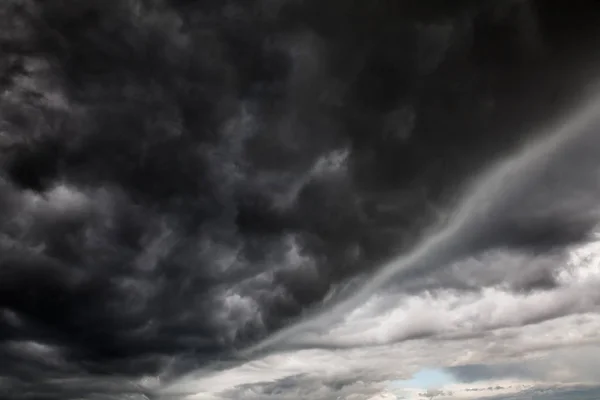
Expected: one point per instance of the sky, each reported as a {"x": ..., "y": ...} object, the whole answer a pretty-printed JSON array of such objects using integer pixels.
[{"x": 299, "y": 199}]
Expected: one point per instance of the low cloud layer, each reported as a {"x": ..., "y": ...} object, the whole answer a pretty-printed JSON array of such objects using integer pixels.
[{"x": 294, "y": 199}]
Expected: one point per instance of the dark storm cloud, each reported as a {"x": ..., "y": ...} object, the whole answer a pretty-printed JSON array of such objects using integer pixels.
[{"x": 180, "y": 179}]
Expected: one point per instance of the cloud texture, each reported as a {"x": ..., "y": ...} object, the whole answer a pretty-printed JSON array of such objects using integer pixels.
[{"x": 294, "y": 199}]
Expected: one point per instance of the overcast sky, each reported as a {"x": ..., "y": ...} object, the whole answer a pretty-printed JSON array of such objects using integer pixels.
[{"x": 287, "y": 199}]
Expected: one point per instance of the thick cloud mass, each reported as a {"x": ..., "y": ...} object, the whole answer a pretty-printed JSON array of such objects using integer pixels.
[{"x": 224, "y": 198}]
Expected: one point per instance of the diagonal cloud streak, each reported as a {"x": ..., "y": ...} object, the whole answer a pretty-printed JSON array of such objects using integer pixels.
[{"x": 462, "y": 233}]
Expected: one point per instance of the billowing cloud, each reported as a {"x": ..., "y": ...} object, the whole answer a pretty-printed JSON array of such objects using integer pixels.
[{"x": 296, "y": 199}]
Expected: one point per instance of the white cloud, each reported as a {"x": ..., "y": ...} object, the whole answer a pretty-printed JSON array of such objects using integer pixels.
[{"x": 492, "y": 325}]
